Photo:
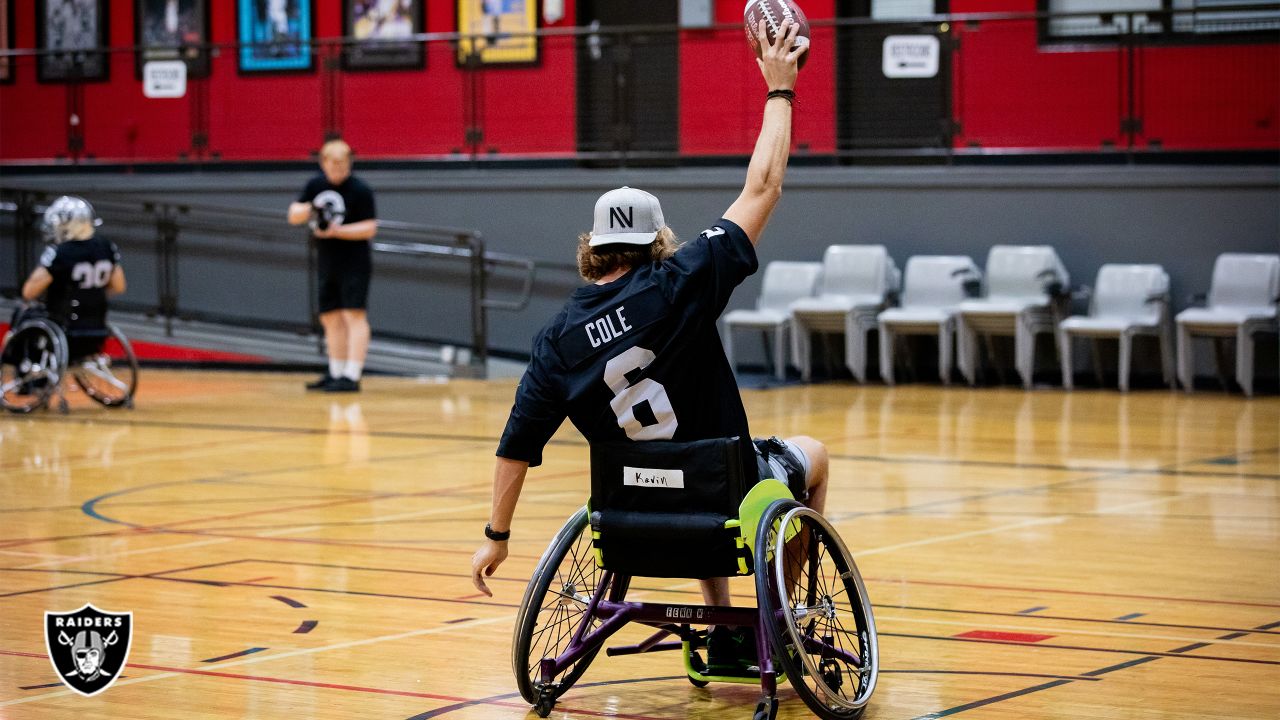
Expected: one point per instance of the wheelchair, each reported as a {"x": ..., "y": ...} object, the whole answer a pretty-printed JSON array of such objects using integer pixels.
[
  {"x": 38, "y": 354},
  {"x": 682, "y": 510}
]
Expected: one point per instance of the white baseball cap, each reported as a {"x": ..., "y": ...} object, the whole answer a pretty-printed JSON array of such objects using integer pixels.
[{"x": 628, "y": 216}]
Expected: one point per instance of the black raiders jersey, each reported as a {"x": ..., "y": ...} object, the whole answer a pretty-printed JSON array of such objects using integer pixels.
[
  {"x": 81, "y": 270},
  {"x": 344, "y": 204},
  {"x": 640, "y": 357}
]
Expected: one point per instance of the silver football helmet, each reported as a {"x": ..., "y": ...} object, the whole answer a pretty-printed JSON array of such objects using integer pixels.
[{"x": 69, "y": 218}]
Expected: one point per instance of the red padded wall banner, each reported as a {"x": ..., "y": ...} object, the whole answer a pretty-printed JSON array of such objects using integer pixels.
[
  {"x": 1010, "y": 90},
  {"x": 284, "y": 116}
]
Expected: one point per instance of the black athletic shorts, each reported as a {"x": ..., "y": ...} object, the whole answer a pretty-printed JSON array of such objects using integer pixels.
[
  {"x": 345, "y": 267},
  {"x": 781, "y": 460}
]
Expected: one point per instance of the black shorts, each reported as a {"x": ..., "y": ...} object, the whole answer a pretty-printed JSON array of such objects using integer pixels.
[
  {"x": 785, "y": 461},
  {"x": 345, "y": 267}
]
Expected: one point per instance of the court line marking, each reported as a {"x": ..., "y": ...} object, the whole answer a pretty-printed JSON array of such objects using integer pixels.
[
  {"x": 1147, "y": 657},
  {"x": 1055, "y": 520},
  {"x": 509, "y": 617},
  {"x": 1066, "y": 631},
  {"x": 493, "y": 700},
  {"x": 283, "y": 655}
]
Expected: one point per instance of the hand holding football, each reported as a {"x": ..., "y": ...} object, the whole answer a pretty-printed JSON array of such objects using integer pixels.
[{"x": 773, "y": 12}]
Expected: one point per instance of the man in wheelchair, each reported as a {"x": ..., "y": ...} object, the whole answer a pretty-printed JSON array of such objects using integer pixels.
[
  {"x": 635, "y": 354},
  {"x": 76, "y": 274}
]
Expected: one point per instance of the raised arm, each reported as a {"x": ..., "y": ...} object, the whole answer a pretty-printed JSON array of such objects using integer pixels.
[{"x": 768, "y": 164}]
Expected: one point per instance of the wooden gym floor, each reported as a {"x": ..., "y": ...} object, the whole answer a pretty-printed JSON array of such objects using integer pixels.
[{"x": 1030, "y": 555}]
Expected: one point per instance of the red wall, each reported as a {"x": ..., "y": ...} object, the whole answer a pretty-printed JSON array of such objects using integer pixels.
[
  {"x": 281, "y": 116},
  {"x": 1012, "y": 92},
  {"x": 1009, "y": 91},
  {"x": 722, "y": 92}
]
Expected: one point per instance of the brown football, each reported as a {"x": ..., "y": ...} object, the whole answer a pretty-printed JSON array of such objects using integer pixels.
[{"x": 773, "y": 12}]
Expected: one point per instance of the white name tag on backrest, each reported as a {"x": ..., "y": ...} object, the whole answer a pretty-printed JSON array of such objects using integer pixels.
[{"x": 649, "y": 477}]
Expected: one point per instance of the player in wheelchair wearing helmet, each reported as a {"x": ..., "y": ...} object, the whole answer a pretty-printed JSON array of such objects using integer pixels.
[
  {"x": 635, "y": 354},
  {"x": 77, "y": 272}
]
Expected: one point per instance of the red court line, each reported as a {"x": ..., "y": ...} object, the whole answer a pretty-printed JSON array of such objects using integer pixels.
[
  {"x": 351, "y": 688},
  {"x": 1005, "y": 636},
  {"x": 1090, "y": 593}
]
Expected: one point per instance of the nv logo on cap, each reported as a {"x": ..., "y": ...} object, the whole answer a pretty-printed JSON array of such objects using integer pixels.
[{"x": 618, "y": 219}]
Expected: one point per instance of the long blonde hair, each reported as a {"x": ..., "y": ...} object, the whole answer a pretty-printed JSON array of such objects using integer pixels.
[{"x": 597, "y": 262}]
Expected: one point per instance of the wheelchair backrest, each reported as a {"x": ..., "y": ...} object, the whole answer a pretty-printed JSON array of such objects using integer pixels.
[{"x": 669, "y": 509}]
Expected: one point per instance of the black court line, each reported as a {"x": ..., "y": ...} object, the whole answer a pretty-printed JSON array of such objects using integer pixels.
[
  {"x": 1179, "y": 653},
  {"x": 44, "y": 686},
  {"x": 287, "y": 601},
  {"x": 284, "y": 429},
  {"x": 508, "y": 696},
  {"x": 878, "y": 607},
  {"x": 113, "y": 577},
  {"x": 1068, "y": 618},
  {"x": 918, "y": 460},
  {"x": 1121, "y": 666},
  {"x": 354, "y": 593},
  {"x": 162, "y": 503},
  {"x": 229, "y": 427},
  {"x": 1032, "y": 610},
  {"x": 992, "y": 673},
  {"x": 242, "y": 653},
  {"x": 991, "y": 700},
  {"x": 1147, "y": 657},
  {"x": 306, "y": 627}
]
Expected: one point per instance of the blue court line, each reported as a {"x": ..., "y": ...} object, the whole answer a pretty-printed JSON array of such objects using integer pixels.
[
  {"x": 1130, "y": 616},
  {"x": 1035, "y": 609},
  {"x": 306, "y": 627}
]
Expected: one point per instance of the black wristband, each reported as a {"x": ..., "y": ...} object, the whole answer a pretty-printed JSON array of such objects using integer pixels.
[
  {"x": 788, "y": 95},
  {"x": 495, "y": 535}
]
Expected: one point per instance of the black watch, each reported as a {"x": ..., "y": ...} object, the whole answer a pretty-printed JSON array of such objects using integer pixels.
[{"x": 496, "y": 536}]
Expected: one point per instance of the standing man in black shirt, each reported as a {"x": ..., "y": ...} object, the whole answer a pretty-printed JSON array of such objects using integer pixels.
[
  {"x": 340, "y": 209},
  {"x": 77, "y": 272},
  {"x": 636, "y": 354}
]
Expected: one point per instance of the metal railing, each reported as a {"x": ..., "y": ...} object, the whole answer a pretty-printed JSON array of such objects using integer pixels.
[
  {"x": 636, "y": 112},
  {"x": 172, "y": 224}
]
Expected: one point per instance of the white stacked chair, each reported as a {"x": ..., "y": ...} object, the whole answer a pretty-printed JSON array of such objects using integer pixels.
[
  {"x": 1242, "y": 303},
  {"x": 784, "y": 283},
  {"x": 1128, "y": 300},
  {"x": 933, "y": 290},
  {"x": 1017, "y": 303},
  {"x": 857, "y": 283}
]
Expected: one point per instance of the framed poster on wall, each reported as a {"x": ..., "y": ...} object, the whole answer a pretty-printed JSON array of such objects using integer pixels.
[
  {"x": 275, "y": 35},
  {"x": 382, "y": 32},
  {"x": 74, "y": 34},
  {"x": 502, "y": 31},
  {"x": 6, "y": 40},
  {"x": 172, "y": 30}
]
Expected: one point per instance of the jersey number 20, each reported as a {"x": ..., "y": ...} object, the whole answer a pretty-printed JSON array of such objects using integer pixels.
[
  {"x": 659, "y": 423},
  {"x": 92, "y": 275}
]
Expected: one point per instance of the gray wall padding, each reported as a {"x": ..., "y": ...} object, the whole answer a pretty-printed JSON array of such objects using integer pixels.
[{"x": 1181, "y": 217}]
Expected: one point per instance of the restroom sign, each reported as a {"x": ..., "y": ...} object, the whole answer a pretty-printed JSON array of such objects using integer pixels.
[
  {"x": 164, "y": 79},
  {"x": 911, "y": 56}
]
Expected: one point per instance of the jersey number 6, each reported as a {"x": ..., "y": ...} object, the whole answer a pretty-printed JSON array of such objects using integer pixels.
[{"x": 643, "y": 409}]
